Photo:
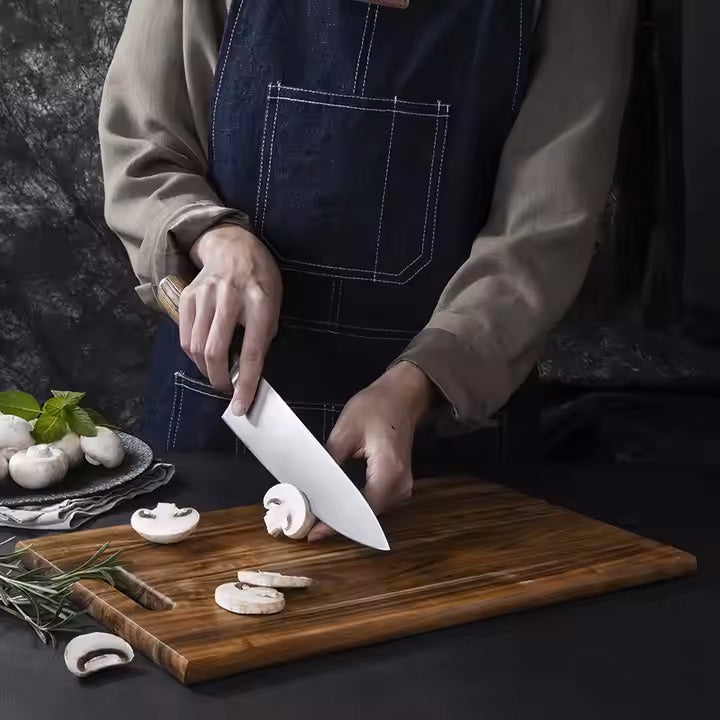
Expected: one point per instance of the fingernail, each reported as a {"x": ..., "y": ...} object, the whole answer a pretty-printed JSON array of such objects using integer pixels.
[{"x": 238, "y": 408}]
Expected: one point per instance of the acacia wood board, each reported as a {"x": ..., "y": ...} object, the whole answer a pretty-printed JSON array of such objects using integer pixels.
[{"x": 462, "y": 550}]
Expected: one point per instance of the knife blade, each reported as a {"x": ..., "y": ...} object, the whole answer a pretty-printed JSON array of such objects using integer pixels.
[{"x": 290, "y": 452}]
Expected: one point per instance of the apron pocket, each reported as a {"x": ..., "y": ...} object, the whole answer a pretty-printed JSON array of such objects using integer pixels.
[
  {"x": 348, "y": 186},
  {"x": 196, "y": 422}
]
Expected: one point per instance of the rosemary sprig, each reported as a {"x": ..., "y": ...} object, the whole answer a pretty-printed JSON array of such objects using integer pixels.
[{"x": 42, "y": 600}]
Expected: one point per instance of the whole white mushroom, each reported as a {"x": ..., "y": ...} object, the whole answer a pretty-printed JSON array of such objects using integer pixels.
[
  {"x": 3, "y": 467},
  {"x": 38, "y": 467},
  {"x": 70, "y": 445},
  {"x": 103, "y": 449},
  {"x": 15, "y": 435}
]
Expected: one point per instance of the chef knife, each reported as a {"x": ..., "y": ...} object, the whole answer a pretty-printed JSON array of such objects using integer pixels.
[{"x": 290, "y": 452}]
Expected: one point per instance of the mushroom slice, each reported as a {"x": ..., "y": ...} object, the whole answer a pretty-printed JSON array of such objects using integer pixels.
[
  {"x": 38, "y": 467},
  {"x": 104, "y": 449},
  {"x": 272, "y": 579},
  {"x": 165, "y": 524},
  {"x": 288, "y": 512},
  {"x": 244, "y": 600},
  {"x": 15, "y": 435},
  {"x": 70, "y": 445},
  {"x": 87, "y": 654}
]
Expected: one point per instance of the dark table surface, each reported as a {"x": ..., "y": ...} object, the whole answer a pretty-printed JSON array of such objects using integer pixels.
[{"x": 651, "y": 652}]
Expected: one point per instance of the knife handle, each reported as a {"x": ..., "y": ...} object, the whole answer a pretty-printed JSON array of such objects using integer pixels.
[{"x": 168, "y": 292}]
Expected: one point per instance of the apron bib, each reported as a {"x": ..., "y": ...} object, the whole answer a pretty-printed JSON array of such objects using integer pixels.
[{"x": 363, "y": 141}]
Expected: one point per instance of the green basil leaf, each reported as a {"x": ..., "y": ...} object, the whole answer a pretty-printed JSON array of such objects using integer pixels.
[
  {"x": 80, "y": 422},
  {"x": 71, "y": 397},
  {"x": 53, "y": 406},
  {"x": 50, "y": 427},
  {"x": 14, "y": 402},
  {"x": 98, "y": 419}
]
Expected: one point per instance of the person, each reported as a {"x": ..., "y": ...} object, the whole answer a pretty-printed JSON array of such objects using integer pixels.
[{"x": 394, "y": 204}]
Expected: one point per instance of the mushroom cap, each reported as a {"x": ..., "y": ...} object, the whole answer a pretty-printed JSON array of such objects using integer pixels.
[
  {"x": 165, "y": 524},
  {"x": 89, "y": 653},
  {"x": 70, "y": 445},
  {"x": 267, "y": 579},
  {"x": 244, "y": 600},
  {"x": 104, "y": 449},
  {"x": 38, "y": 467},
  {"x": 15, "y": 435},
  {"x": 288, "y": 512}
]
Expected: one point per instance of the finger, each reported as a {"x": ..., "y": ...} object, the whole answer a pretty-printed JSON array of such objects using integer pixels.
[
  {"x": 342, "y": 443},
  {"x": 389, "y": 479},
  {"x": 186, "y": 311},
  {"x": 320, "y": 531},
  {"x": 259, "y": 331},
  {"x": 204, "y": 311},
  {"x": 219, "y": 338}
]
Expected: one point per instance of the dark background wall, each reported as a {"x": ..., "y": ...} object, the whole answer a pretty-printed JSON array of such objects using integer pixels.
[{"x": 69, "y": 317}]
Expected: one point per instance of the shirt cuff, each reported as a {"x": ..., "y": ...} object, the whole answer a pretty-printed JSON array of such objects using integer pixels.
[{"x": 475, "y": 386}]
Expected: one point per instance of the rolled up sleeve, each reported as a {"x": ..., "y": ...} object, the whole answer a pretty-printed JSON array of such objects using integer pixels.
[
  {"x": 153, "y": 131},
  {"x": 529, "y": 262}
]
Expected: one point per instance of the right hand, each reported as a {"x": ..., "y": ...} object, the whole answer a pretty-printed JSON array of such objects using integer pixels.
[{"x": 238, "y": 284}]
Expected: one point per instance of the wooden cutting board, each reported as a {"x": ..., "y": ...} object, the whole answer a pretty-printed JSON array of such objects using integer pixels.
[{"x": 461, "y": 550}]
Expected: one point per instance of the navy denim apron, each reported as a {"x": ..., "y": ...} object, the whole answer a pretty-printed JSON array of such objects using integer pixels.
[{"x": 363, "y": 141}]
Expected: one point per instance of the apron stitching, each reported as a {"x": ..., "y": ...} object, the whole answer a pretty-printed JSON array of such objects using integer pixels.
[
  {"x": 432, "y": 105},
  {"x": 352, "y": 327},
  {"x": 337, "y": 312},
  {"x": 189, "y": 379},
  {"x": 202, "y": 392},
  {"x": 372, "y": 36},
  {"x": 382, "y": 201},
  {"x": 262, "y": 154},
  {"x": 324, "y": 422},
  {"x": 432, "y": 169},
  {"x": 332, "y": 298},
  {"x": 362, "y": 45},
  {"x": 519, "y": 61},
  {"x": 356, "y": 107},
  {"x": 302, "y": 326},
  {"x": 177, "y": 425},
  {"x": 270, "y": 157},
  {"x": 222, "y": 73},
  {"x": 172, "y": 415},
  {"x": 437, "y": 192}
]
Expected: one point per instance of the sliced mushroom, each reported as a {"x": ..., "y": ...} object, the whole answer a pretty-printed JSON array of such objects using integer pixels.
[
  {"x": 38, "y": 467},
  {"x": 165, "y": 524},
  {"x": 288, "y": 512},
  {"x": 103, "y": 449},
  {"x": 272, "y": 579},
  {"x": 245, "y": 600},
  {"x": 87, "y": 654},
  {"x": 15, "y": 435},
  {"x": 70, "y": 445}
]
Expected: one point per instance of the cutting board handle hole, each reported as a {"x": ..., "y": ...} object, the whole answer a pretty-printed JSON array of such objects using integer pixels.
[{"x": 140, "y": 592}]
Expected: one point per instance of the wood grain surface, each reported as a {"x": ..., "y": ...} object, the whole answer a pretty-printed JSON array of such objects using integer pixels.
[{"x": 462, "y": 550}]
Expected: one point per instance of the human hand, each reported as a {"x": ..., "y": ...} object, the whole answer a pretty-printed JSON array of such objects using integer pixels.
[
  {"x": 378, "y": 424},
  {"x": 238, "y": 284}
]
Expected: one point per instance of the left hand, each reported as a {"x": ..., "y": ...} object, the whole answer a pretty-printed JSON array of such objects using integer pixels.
[{"x": 378, "y": 424}]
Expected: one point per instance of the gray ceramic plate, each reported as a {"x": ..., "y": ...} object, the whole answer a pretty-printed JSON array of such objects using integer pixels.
[{"x": 84, "y": 480}]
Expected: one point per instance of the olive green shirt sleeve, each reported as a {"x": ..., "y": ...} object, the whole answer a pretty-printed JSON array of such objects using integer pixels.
[
  {"x": 526, "y": 266},
  {"x": 529, "y": 262}
]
